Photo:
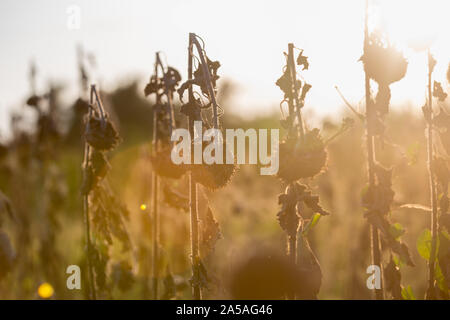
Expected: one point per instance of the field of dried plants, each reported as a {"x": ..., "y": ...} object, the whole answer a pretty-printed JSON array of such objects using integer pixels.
[{"x": 94, "y": 186}]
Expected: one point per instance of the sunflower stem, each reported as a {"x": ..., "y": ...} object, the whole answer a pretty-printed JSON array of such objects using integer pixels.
[
  {"x": 193, "y": 201},
  {"x": 434, "y": 214},
  {"x": 154, "y": 198},
  {"x": 371, "y": 156},
  {"x": 91, "y": 284},
  {"x": 294, "y": 104},
  {"x": 167, "y": 91},
  {"x": 206, "y": 73}
]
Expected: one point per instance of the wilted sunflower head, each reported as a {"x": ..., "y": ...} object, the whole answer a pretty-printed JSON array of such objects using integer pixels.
[
  {"x": 302, "y": 158},
  {"x": 383, "y": 62},
  {"x": 217, "y": 175},
  {"x": 163, "y": 165},
  {"x": 213, "y": 176},
  {"x": 101, "y": 134}
]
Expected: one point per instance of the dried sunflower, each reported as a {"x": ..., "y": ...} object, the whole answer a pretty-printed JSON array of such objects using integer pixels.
[
  {"x": 101, "y": 134},
  {"x": 213, "y": 176},
  {"x": 163, "y": 165},
  {"x": 383, "y": 63},
  {"x": 302, "y": 159}
]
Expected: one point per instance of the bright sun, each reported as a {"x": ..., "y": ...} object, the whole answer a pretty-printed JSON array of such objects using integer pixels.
[
  {"x": 417, "y": 23},
  {"x": 412, "y": 26}
]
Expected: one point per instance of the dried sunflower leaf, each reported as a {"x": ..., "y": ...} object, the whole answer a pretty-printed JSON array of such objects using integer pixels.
[
  {"x": 101, "y": 134},
  {"x": 302, "y": 61},
  {"x": 438, "y": 92},
  {"x": 210, "y": 232},
  {"x": 392, "y": 280}
]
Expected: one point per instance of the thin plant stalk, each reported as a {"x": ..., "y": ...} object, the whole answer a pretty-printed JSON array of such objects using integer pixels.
[
  {"x": 434, "y": 210},
  {"x": 99, "y": 103},
  {"x": 294, "y": 110},
  {"x": 294, "y": 104},
  {"x": 155, "y": 213},
  {"x": 193, "y": 201},
  {"x": 168, "y": 92},
  {"x": 370, "y": 114},
  {"x": 193, "y": 191},
  {"x": 292, "y": 239},
  {"x": 352, "y": 109},
  {"x": 194, "y": 41},
  {"x": 91, "y": 285},
  {"x": 155, "y": 219},
  {"x": 155, "y": 179}
]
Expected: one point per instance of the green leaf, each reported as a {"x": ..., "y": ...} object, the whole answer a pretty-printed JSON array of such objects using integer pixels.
[
  {"x": 440, "y": 279},
  {"x": 398, "y": 262},
  {"x": 396, "y": 230},
  {"x": 312, "y": 222},
  {"x": 424, "y": 244},
  {"x": 407, "y": 293},
  {"x": 445, "y": 234},
  {"x": 315, "y": 219}
]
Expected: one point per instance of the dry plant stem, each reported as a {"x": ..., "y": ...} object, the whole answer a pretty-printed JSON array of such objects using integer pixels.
[
  {"x": 352, "y": 109},
  {"x": 193, "y": 40},
  {"x": 92, "y": 293},
  {"x": 155, "y": 179},
  {"x": 292, "y": 249},
  {"x": 195, "y": 256},
  {"x": 434, "y": 213},
  {"x": 295, "y": 111},
  {"x": 98, "y": 101},
  {"x": 91, "y": 284},
  {"x": 294, "y": 104},
  {"x": 374, "y": 233},
  {"x": 167, "y": 91},
  {"x": 155, "y": 213},
  {"x": 193, "y": 201},
  {"x": 292, "y": 246},
  {"x": 155, "y": 220}
]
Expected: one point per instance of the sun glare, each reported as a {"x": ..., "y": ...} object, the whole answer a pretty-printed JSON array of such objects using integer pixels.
[
  {"x": 412, "y": 22},
  {"x": 413, "y": 26}
]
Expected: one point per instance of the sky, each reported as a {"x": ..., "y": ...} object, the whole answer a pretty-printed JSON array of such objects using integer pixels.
[{"x": 247, "y": 37}]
